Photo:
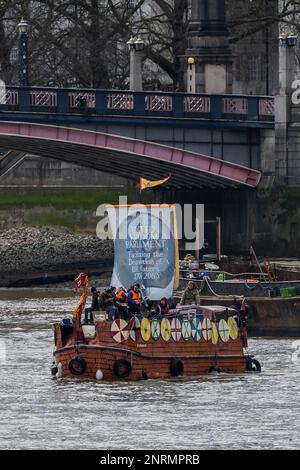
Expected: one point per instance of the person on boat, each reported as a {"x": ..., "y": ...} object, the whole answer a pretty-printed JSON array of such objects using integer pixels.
[
  {"x": 122, "y": 302},
  {"x": 107, "y": 299},
  {"x": 244, "y": 311},
  {"x": 241, "y": 311},
  {"x": 135, "y": 299},
  {"x": 191, "y": 295},
  {"x": 163, "y": 307},
  {"x": 88, "y": 312}
]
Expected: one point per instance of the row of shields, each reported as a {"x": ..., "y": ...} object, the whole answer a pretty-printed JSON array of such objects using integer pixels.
[{"x": 175, "y": 329}]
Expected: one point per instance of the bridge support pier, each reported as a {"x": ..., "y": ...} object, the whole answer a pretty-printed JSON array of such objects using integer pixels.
[
  {"x": 209, "y": 46},
  {"x": 283, "y": 105}
]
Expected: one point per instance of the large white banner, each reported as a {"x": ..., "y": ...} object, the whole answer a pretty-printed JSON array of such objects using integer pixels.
[{"x": 145, "y": 247}]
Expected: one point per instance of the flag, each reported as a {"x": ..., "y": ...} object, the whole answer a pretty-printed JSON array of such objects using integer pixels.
[{"x": 144, "y": 184}]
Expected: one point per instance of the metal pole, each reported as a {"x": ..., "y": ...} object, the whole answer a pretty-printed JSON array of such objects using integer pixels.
[
  {"x": 135, "y": 70},
  {"x": 218, "y": 237},
  {"x": 197, "y": 251},
  {"x": 23, "y": 59},
  {"x": 267, "y": 52},
  {"x": 136, "y": 47}
]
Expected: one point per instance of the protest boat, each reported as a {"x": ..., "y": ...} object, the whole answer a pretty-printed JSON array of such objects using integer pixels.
[{"x": 189, "y": 341}]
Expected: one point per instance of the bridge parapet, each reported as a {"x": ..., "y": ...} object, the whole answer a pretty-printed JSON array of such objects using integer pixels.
[{"x": 138, "y": 104}]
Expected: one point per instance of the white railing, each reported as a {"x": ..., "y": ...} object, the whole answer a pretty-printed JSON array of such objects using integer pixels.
[
  {"x": 121, "y": 101},
  {"x": 43, "y": 98},
  {"x": 9, "y": 97},
  {"x": 234, "y": 105},
  {"x": 79, "y": 99},
  {"x": 158, "y": 103},
  {"x": 197, "y": 104},
  {"x": 267, "y": 107}
]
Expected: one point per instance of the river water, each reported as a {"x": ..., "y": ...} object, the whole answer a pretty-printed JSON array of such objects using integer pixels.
[{"x": 249, "y": 411}]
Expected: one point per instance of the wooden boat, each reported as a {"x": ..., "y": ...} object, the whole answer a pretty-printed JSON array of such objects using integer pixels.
[{"x": 190, "y": 342}]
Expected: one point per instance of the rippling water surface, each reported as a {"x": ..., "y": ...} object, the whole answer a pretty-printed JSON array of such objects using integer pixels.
[{"x": 218, "y": 411}]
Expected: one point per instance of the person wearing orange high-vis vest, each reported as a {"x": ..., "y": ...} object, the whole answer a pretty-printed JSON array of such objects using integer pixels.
[
  {"x": 135, "y": 299},
  {"x": 122, "y": 303}
]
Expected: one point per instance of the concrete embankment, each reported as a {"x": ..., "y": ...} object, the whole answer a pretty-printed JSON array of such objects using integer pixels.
[{"x": 31, "y": 255}]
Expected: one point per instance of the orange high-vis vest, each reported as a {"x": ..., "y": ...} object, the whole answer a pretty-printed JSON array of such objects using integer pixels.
[
  {"x": 121, "y": 294},
  {"x": 136, "y": 297}
]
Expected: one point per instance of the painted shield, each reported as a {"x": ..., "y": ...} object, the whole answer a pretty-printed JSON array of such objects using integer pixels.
[
  {"x": 145, "y": 329},
  {"x": 196, "y": 329},
  {"x": 214, "y": 333},
  {"x": 234, "y": 329},
  {"x": 134, "y": 328},
  {"x": 165, "y": 329},
  {"x": 224, "y": 331},
  {"x": 120, "y": 330},
  {"x": 206, "y": 329},
  {"x": 155, "y": 329},
  {"x": 176, "y": 329},
  {"x": 186, "y": 330}
]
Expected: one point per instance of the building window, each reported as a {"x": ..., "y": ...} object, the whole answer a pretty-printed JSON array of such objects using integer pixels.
[{"x": 253, "y": 67}]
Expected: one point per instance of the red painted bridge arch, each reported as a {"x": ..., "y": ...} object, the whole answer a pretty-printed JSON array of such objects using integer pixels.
[{"x": 125, "y": 157}]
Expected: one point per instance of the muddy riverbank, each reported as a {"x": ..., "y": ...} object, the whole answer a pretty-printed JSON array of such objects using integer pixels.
[{"x": 31, "y": 255}]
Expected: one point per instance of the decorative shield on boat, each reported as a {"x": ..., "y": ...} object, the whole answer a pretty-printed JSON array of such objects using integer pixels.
[
  {"x": 176, "y": 329},
  {"x": 214, "y": 333},
  {"x": 134, "y": 328},
  {"x": 196, "y": 329},
  {"x": 186, "y": 329},
  {"x": 155, "y": 329},
  {"x": 224, "y": 330},
  {"x": 145, "y": 329},
  {"x": 206, "y": 329},
  {"x": 119, "y": 330},
  {"x": 165, "y": 329},
  {"x": 234, "y": 329}
]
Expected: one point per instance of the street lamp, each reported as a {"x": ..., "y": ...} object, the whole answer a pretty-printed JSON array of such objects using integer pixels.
[
  {"x": 23, "y": 53},
  {"x": 103, "y": 3},
  {"x": 288, "y": 41},
  {"x": 139, "y": 45},
  {"x": 291, "y": 41},
  {"x": 136, "y": 44},
  {"x": 136, "y": 47}
]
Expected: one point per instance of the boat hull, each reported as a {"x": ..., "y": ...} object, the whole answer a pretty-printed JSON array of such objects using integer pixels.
[
  {"x": 267, "y": 316},
  {"x": 152, "y": 359},
  {"x": 241, "y": 288}
]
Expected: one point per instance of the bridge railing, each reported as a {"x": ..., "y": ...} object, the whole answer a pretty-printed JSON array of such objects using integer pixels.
[{"x": 143, "y": 104}]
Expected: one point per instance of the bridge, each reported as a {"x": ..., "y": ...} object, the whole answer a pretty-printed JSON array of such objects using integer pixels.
[{"x": 202, "y": 140}]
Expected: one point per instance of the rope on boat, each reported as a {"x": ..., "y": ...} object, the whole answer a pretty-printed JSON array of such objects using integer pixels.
[
  {"x": 252, "y": 287},
  {"x": 218, "y": 295}
]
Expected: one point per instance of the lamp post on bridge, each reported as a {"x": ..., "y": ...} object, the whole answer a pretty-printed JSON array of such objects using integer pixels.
[
  {"x": 136, "y": 47},
  {"x": 23, "y": 53}
]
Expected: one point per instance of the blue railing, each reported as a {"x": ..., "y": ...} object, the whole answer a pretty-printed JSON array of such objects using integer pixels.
[{"x": 142, "y": 104}]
